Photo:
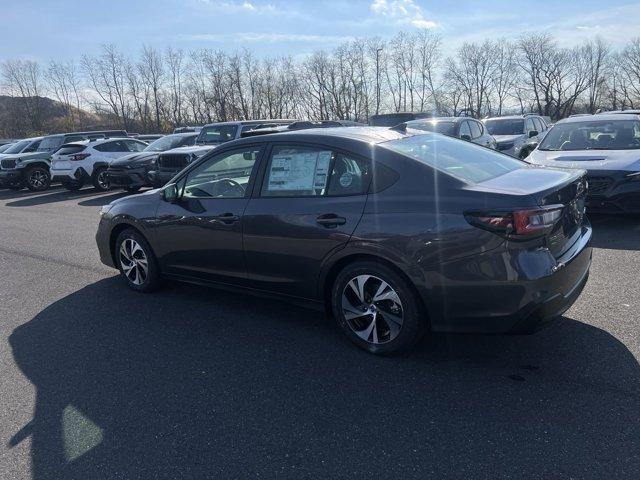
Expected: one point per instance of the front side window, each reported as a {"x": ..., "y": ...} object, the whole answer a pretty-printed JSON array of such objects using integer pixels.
[
  {"x": 297, "y": 171},
  {"x": 593, "y": 135},
  {"x": 134, "y": 146},
  {"x": 222, "y": 176},
  {"x": 111, "y": 147},
  {"x": 476, "y": 130},
  {"x": 505, "y": 126},
  {"x": 466, "y": 161}
]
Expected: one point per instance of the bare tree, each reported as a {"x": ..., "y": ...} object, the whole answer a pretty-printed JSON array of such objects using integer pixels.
[{"x": 23, "y": 79}]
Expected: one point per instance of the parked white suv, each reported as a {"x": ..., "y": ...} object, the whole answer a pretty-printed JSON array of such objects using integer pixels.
[{"x": 77, "y": 163}]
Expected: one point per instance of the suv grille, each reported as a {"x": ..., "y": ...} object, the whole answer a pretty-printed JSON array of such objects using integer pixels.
[
  {"x": 173, "y": 161},
  {"x": 8, "y": 163},
  {"x": 599, "y": 185}
]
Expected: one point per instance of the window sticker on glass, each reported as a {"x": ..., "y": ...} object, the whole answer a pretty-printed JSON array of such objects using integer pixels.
[{"x": 299, "y": 170}]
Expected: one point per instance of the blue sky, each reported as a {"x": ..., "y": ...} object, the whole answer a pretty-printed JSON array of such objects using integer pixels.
[{"x": 46, "y": 30}]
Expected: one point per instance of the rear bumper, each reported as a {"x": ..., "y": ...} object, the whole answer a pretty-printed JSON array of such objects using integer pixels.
[
  {"x": 515, "y": 291},
  {"x": 69, "y": 175}
]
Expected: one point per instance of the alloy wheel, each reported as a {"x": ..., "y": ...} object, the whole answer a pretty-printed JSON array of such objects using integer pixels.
[
  {"x": 133, "y": 261},
  {"x": 372, "y": 309},
  {"x": 103, "y": 180},
  {"x": 38, "y": 178}
]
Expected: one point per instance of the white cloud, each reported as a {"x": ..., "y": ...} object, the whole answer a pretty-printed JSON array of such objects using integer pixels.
[
  {"x": 233, "y": 6},
  {"x": 405, "y": 12}
]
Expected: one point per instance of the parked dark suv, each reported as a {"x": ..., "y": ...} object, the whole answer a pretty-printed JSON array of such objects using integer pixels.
[
  {"x": 395, "y": 234},
  {"x": 132, "y": 171}
]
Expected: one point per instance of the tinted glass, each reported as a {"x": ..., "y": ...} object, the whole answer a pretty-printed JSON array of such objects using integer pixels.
[
  {"x": 33, "y": 147},
  {"x": 538, "y": 125},
  {"x": 464, "y": 130},
  {"x": 134, "y": 146},
  {"x": 217, "y": 134},
  {"x": 222, "y": 176},
  {"x": 110, "y": 147},
  {"x": 476, "y": 130},
  {"x": 18, "y": 147},
  {"x": 5, "y": 147},
  {"x": 349, "y": 176},
  {"x": 297, "y": 171},
  {"x": 505, "y": 127},
  {"x": 70, "y": 149},
  {"x": 170, "y": 141},
  {"x": 50, "y": 144},
  {"x": 604, "y": 135},
  {"x": 446, "y": 128},
  {"x": 466, "y": 161}
]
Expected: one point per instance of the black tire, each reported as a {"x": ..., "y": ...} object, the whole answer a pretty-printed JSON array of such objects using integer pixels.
[
  {"x": 72, "y": 185},
  {"x": 151, "y": 280},
  {"x": 414, "y": 320},
  {"x": 133, "y": 189},
  {"x": 100, "y": 179},
  {"x": 37, "y": 178}
]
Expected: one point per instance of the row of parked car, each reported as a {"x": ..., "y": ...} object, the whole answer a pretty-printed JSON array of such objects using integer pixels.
[{"x": 113, "y": 159}]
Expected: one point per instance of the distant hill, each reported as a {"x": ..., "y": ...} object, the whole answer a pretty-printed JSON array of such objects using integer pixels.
[{"x": 22, "y": 117}]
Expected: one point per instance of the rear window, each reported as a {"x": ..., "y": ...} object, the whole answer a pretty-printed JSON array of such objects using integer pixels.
[
  {"x": 217, "y": 134},
  {"x": 505, "y": 126},
  {"x": 446, "y": 128},
  {"x": 466, "y": 161},
  {"x": 70, "y": 149}
]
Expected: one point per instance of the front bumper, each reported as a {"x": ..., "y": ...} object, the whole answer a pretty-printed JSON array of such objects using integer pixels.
[
  {"x": 613, "y": 192},
  {"x": 131, "y": 177},
  {"x": 10, "y": 177},
  {"x": 509, "y": 290}
]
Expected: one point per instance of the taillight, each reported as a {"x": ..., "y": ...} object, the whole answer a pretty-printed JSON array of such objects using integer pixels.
[
  {"x": 79, "y": 156},
  {"x": 517, "y": 223}
]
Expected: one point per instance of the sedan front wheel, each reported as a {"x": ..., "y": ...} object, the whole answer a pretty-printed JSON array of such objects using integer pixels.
[{"x": 136, "y": 261}]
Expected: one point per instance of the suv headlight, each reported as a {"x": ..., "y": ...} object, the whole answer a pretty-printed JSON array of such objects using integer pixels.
[{"x": 105, "y": 209}]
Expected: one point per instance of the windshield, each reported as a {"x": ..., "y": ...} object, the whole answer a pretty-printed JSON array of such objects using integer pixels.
[
  {"x": 217, "y": 134},
  {"x": 466, "y": 161},
  {"x": 49, "y": 144},
  {"x": 510, "y": 126},
  {"x": 18, "y": 147},
  {"x": 446, "y": 128},
  {"x": 604, "y": 135},
  {"x": 170, "y": 141}
]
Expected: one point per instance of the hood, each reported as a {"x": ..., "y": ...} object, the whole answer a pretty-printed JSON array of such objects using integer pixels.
[
  {"x": 506, "y": 138},
  {"x": 197, "y": 149},
  {"x": 590, "y": 160},
  {"x": 26, "y": 156},
  {"x": 133, "y": 158}
]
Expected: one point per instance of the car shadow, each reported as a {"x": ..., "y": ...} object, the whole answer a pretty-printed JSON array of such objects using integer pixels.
[
  {"x": 61, "y": 195},
  {"x": 197, "y": 383},
  {"x": 103, "y": 200},
  {"x": 9, "y": 194},
  {"x": 617, "y": 232}
]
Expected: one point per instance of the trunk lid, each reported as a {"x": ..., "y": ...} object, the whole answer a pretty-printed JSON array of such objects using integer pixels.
[{"x": 549, "y": 187}]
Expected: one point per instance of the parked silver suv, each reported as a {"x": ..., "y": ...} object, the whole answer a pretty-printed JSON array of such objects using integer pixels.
[{"x": 517, "y": 135}]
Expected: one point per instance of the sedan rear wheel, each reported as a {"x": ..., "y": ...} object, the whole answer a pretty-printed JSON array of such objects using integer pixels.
[{"x": 377, "y": 308}]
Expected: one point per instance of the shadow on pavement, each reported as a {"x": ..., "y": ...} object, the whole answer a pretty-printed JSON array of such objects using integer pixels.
[
  {"x": 198, "y": 383},
  {"x": 61, "y": 195},
  {"x": 8, "y": 194},
  {"x": 103, "y": 200},
  {"x": 617, "y": 232}
]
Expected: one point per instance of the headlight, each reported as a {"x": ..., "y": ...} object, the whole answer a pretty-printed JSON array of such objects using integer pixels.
[
  {"x": 635, "y": 177},
  {"x": 105, "y": 209}
]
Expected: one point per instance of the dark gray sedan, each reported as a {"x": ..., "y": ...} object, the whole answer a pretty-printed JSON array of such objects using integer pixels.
[{"x": 395, "y": 234}]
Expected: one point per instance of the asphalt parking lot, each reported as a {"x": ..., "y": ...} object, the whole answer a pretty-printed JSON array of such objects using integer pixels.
[{"x": 100, "y": 382}]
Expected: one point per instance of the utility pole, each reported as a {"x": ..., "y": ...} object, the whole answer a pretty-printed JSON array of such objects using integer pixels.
[{"x": 378, "y": 50}]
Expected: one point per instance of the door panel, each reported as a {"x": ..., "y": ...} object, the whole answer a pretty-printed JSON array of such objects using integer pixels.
[
  {"x": 200, "y": 235},
  {"x": 311, "y": 201}
]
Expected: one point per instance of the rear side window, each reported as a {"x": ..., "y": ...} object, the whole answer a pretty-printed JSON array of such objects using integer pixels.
[
  {"x": 296, "y": 171},
  {"x": 476, "y": 130},
  {"x": 464, "y": 130},
  {"x": 466, "y": 161},
  {"x": 118, "y": 146}
]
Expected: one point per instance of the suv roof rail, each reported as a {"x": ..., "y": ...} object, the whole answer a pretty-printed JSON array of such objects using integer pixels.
[{"x": 530, "y": 114}]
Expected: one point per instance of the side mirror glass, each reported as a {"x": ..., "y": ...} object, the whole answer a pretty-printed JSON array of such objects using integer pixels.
[
  {"x": 533, "y": 133},
  {"x": 170, "y": 193},
  {"x": 465, "y": 137}
]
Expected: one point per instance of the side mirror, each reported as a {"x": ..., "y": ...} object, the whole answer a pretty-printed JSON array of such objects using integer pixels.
[
  {"x": 170, "y": 193},
  {"x": 465, "y": 137},
  {"x": 533, "y": 133}
]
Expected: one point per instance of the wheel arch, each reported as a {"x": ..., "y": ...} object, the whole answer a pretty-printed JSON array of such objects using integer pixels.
[
  {"x": 339, "y": 264},
  {"x": 115, "y": 233}
]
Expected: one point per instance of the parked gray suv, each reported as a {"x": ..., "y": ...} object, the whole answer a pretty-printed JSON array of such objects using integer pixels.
[
  {"x": 517, "y": 135},
  {"x": 464, "y": 128}
]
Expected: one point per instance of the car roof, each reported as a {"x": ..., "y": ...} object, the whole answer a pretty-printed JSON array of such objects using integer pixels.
[
  {"x": 365, "y": 134},
  {"x": 600, "y": 117},
  {"x": 439, "y": 119},
  {"x": 510, "y": 117},
  {"x": 250, "y": 122}
]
